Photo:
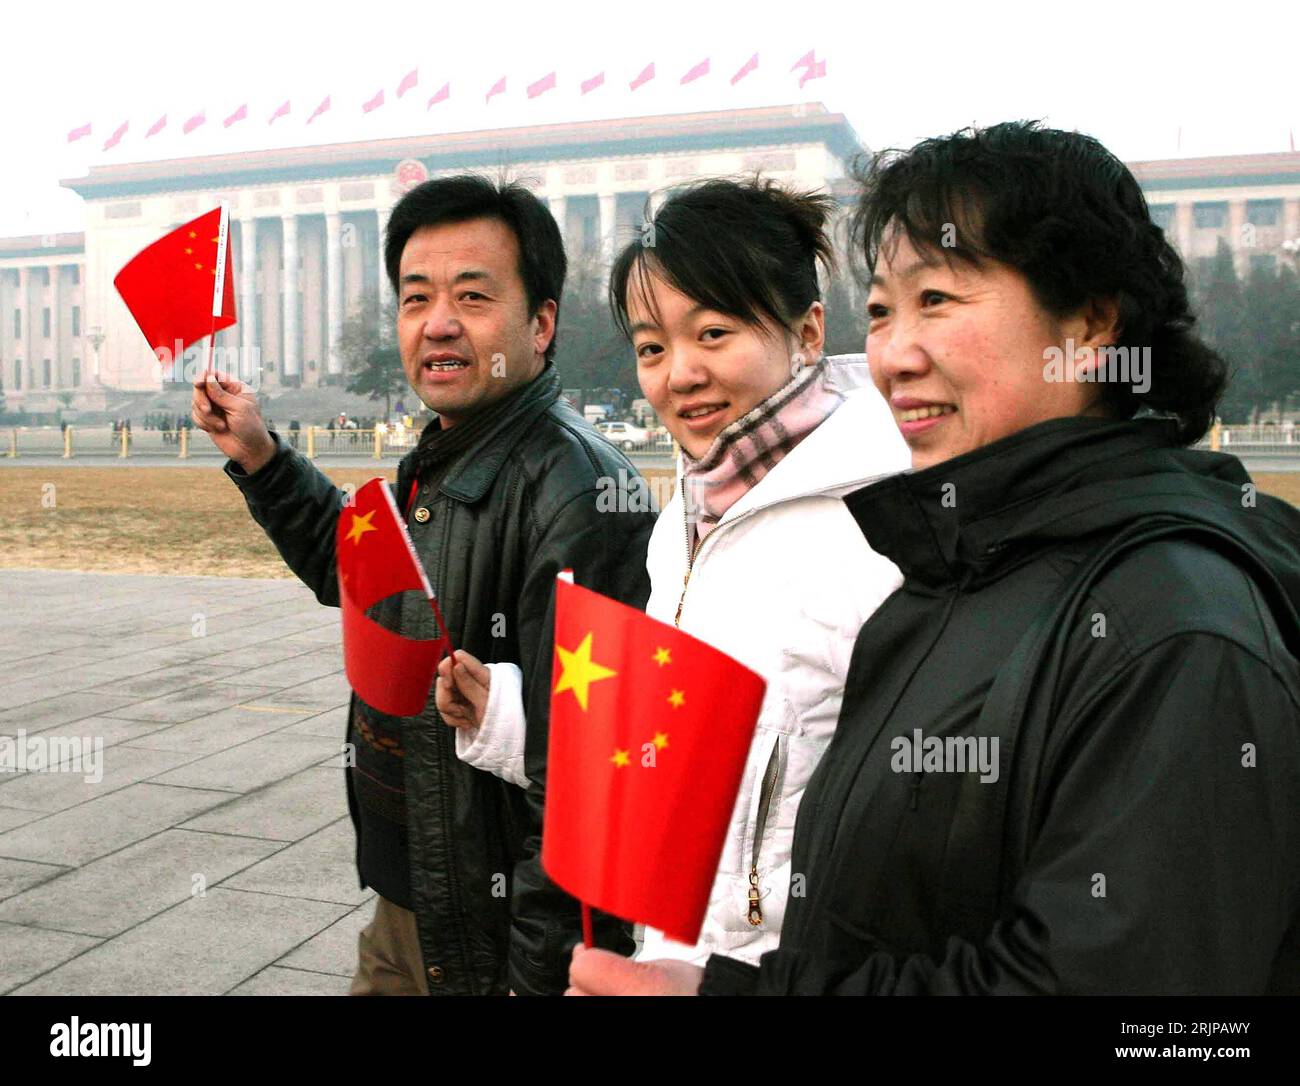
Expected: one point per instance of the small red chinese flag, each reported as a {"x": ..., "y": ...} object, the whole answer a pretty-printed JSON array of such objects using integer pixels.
[
  {"x": 376, "y": 560},
  {"x": 170, "y": 287},
  {"x": 650, "y": 729}
]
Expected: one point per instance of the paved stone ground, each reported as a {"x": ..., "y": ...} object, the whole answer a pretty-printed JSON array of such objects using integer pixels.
[{"x": 216, "y": 854}]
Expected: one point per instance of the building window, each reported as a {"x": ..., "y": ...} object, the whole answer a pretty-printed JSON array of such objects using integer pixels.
[
  {"x": 1264, "y": 212},
  {"x": 1210, "y": 216},
  {"x": 44, "y": 275},
  {"x": 76, "y": 373},
  {"x": 76, "y": 320},
  {"x": 1163, "y": 215},
  {"x": 45, "y": 373},
  {"x": 76, "y": 275},
  {"x": 18, "y": 324},
  {"x": 18, "y": 373},
  {"x": 45, "y": 322}
]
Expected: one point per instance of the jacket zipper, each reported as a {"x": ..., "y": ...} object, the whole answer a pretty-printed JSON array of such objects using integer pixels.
[
  {"x": 755, "y": 913},
  {"x": 691, "y": 547}
]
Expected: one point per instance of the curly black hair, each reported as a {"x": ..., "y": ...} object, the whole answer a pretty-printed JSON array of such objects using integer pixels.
[{"x": 1070, "y": 217}]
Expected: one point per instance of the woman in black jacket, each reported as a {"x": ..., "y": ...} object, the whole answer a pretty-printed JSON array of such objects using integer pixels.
[{"x": 1076, "y": 765}]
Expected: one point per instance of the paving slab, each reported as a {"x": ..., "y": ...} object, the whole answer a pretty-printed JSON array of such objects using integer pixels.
[
  {"x": 90, "y": 830},
  {"x": 276, "y": 981},
  {"x": 220, "y": 730},
  {"x": 204, "y": 946},
  {"x": 17, "y": 876},
  {"x": 335, "y": 949},
  {"x": 288, "y": 810},
  {"x": 117, "y": 767},
  {"x": 321, "y": 867},
  {"x": 253, "y": 764},
  {"x": 28, "y": 952},
  {"x": 189, "y": 701},
  {"x": 117, "y": 892}
]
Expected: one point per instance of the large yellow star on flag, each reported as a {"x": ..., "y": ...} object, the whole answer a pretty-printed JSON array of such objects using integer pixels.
[
  {"x": 580, "y": 671},
  {"x": 360, "y": 526}
]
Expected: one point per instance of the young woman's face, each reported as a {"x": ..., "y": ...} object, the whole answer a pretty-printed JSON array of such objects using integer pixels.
[
  {"x": 959, "y": 352},
  {"x": 701, "y": 370}
]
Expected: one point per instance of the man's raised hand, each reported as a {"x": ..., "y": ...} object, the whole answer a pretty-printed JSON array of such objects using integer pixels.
[{"x": 226, "y": 410}]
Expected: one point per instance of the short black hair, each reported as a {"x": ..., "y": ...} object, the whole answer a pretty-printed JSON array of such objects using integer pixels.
[
  {"x": 542, "y": 264},
  {"x": 746, "y": 248},
  {"x": 1070, "y": 217}
]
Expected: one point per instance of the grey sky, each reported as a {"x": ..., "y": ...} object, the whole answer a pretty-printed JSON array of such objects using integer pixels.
[{"x": 1130, "y": 73}]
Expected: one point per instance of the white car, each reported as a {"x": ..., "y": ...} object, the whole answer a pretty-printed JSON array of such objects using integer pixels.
[{"x": 623, "y": 434}]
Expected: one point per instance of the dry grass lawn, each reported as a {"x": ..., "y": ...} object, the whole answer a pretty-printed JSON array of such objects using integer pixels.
[{"x": 182, "y": 521}]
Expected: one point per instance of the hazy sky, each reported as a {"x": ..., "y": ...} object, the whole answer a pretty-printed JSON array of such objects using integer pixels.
[{"x": 1131, "y": 73}]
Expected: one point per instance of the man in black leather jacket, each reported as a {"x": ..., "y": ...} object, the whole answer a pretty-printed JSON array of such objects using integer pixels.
[{"x": 499, "y": 496}]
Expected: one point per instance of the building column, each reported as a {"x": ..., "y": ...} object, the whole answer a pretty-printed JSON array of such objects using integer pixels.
[
  {"x": 1291, "y": 218},
  {"x": 28, "y": 338},
  {"x": 334, "y": 291},
  {"x": 248, "y": 368},
  {"x": 1183, "y": 229},
  {"x": 608, "y": 202},
  {"x": 1236, "y": 236},
  {"x": 381, "y": 278},
  {"x": 289, "y": 293},
  {"x": 559, "y": 211},
  {"x": 56, "y": 356}
]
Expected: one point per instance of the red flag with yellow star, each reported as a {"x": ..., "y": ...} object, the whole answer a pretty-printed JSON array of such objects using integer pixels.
[
  {"x": 170, "y": 287},
  {"x": 376, "y": 560},
  {"x": 650, "y": 729}
]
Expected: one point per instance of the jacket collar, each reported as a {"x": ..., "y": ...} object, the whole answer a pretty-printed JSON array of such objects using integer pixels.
[
  {"x": 470, "y": 477},
  {"x": 858, "y": 443},
  {"x": 954, "y": 521}
]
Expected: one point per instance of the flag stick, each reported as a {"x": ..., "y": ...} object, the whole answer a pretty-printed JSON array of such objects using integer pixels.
[
  {"x": 587, "y": 939},
  {"x": 218, "y": 282},
  {"x": 212, "y": 340}
]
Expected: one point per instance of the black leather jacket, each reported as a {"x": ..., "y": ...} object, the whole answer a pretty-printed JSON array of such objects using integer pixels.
[{"x": 509, "y": 514}]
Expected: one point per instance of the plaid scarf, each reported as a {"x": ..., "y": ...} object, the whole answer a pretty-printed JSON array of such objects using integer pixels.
[{"x": 754, "y": 444}]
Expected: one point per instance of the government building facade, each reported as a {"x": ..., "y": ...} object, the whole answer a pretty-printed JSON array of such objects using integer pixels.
[{"x": 307, "y": 227}]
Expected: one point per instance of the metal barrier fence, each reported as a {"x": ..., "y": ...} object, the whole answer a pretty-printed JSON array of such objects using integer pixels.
[
  {"x": 102, "y": 442},
  {"x": 1275, "y": 440}
]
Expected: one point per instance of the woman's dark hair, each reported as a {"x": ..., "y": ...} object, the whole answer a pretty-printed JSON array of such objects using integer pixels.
[
  {"x": 746, "y": 248},
  {"x": 1070, "y": 217},
  {"x": 542, "y": 264}
]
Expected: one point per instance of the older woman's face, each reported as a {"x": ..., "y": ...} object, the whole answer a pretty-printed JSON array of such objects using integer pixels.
[{"x": 959, "y": 352}]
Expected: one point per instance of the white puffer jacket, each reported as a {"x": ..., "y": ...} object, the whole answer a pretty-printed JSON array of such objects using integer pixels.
[{"x": 783, "y": 583}]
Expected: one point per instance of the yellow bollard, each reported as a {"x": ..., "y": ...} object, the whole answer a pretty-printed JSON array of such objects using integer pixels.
[
  {"x": 122, "y": 455},
  {"x": 67, "y": 443},
  {"x": 1216, "y": 436},
  {"x": 13, "y": 442},
  {"x": 379, "y": 441},
  {"x": 311, "y": 443},
  {"x": 185, "y": 443}
]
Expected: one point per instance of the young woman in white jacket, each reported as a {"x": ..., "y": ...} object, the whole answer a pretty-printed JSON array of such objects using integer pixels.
[{"x": 755, "y": 553}]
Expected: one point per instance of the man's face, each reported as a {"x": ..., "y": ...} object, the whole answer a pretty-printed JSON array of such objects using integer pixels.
[{"x": 463, "y": 326}]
